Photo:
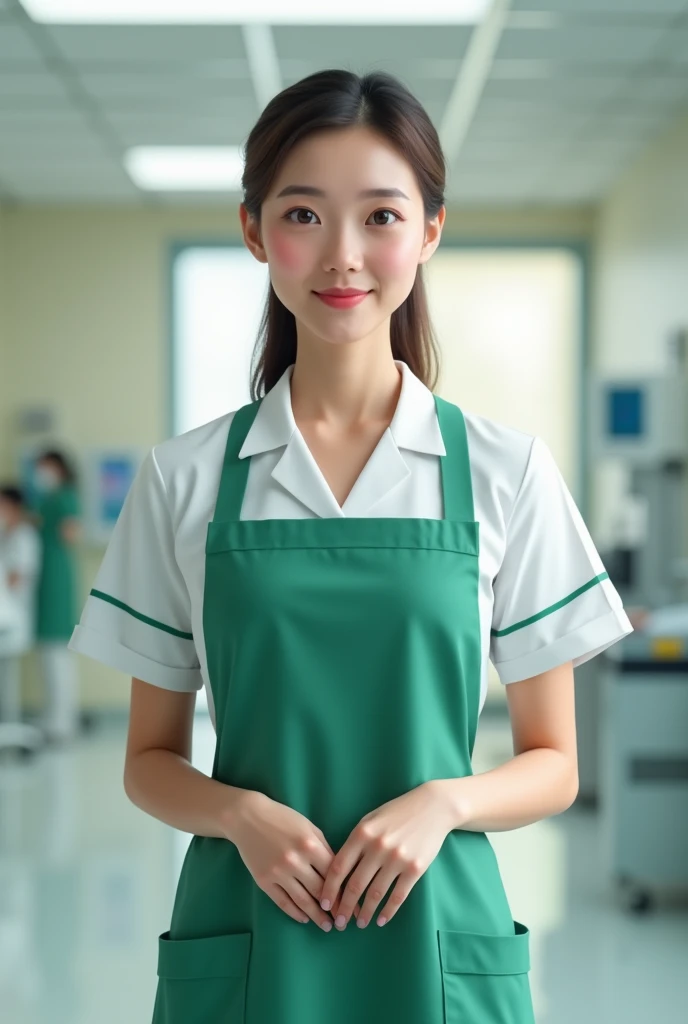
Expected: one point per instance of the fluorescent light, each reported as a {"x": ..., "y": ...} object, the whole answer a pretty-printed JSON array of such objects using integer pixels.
[
  {"x": 274, "y": 12},
  {"x": 185, "y": 168}
]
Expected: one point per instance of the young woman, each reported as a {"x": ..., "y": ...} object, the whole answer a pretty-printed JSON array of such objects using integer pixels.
[
  {"x": 57, "y": 514},
  {"x": 335, "y": 562}
]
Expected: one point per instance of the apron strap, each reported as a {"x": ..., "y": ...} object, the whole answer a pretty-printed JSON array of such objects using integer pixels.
[
  {"x": 456, "y": 467},
  {"x": 456, "y": 470},
  {"x": 234, "y": 475}
]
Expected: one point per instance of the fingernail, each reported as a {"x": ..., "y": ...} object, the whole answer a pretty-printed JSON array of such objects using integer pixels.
[
  {"x": 361, "y": 922},
  {"x": 381, "y": 920},
  {"x": 326, "y": 926},
  {"x": 340, "y": 921},
  {"x": 326, "y": 904}
]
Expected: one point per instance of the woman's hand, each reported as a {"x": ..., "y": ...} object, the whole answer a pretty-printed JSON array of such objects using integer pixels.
[
  {"x": 71, "y": 530},
  {"x": 396, "y": 842},
  {"x": 286, "y": 854}
]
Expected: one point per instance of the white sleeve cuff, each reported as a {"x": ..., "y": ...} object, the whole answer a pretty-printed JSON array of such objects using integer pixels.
[
  {"x": 108, "y": 651},
  {"x": 579, "y": 646}
]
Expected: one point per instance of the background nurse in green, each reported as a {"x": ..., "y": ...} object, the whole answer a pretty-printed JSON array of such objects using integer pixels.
[
  {"x": 339, "y": 868},
  {"x": 57, "y": 510}
]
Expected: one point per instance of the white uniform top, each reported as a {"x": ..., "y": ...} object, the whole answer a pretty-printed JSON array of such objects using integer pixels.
[
  {"x": 544, "y": 597},
  {"x": 20, "y": 552}
]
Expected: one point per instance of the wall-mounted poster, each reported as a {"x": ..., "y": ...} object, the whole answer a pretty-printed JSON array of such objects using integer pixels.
[{"x": 108, "y": 475}]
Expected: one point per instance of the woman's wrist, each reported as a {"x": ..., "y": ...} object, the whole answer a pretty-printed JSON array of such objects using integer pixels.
[{"x": 235, "y": 809}]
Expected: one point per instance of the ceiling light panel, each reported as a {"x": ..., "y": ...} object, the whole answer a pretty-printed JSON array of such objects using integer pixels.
[
  {"x": 180, "y": 168},
  {"x": 275, "y": 12}
]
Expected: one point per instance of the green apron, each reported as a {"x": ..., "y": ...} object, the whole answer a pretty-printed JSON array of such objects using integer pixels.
[
  {"x": 56, "y": 603},
  {"x": 344, "y": 657}
]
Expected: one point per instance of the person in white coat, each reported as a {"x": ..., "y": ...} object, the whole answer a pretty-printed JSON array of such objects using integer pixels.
[{"x": 20, "y": 561}]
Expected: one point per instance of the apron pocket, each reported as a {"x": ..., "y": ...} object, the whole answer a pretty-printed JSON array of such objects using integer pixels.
[
  {"x": 202, "y": 980},
  {"x": 485, "y": 977}
]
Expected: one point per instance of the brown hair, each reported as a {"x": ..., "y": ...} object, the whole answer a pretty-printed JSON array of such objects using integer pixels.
[
  {"x": 61, "y": 463},
  {"x": 341, "y": 99}
]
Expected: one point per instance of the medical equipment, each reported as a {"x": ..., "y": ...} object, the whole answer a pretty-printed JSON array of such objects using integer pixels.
[{"x": 643, "y": 695}]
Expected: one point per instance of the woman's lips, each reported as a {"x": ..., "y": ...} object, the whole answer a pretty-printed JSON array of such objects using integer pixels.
[{"x": 342, "y": 301}]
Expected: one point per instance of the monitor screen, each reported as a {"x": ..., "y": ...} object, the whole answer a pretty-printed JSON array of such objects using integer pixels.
[{"x": 625, "y": 412}]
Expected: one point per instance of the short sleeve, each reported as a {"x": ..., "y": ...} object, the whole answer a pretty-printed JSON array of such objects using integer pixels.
[
  {"x": 137, "y": 618},
  {"x": 25, "y": 556},
  {"x": 553, "y": 600}
]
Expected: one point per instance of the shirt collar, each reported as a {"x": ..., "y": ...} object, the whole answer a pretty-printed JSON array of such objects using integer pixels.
[{"x": 414, "y": 425}]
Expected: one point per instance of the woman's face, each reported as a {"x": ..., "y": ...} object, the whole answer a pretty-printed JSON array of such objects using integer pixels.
[
  {"x": 320, "y": 230},
  {"x": 47, "y": 475}
]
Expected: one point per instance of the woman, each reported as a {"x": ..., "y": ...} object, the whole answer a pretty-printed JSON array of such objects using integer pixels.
[
  {"x": 57, "y": 515},
  {"x": 317, "y": 561}
]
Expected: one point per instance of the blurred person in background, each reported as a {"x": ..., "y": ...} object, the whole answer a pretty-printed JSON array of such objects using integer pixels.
[
  {"x": 57, "y": 513},
  {"x": 20, "y": 560}
]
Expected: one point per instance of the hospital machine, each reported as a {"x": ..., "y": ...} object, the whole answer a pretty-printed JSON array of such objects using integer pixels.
[{"x": 641, "y": 426}]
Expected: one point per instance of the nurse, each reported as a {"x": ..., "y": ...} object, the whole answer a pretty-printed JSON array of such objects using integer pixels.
[
  {"x": 57, "y": 515},
  {"x": 335, "y": 563}
]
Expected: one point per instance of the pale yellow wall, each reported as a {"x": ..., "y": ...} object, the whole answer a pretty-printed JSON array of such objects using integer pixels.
[
  {"x": 86, "y": 328},
  {"x": 640, "y": 280},
  {"x": 641, "y": 275}
]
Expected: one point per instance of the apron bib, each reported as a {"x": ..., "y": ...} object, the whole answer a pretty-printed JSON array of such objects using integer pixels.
[{"x": 344, "y": 657}]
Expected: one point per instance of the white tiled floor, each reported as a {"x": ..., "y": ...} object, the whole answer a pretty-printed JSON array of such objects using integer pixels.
[{"x": 87, "y": 881}]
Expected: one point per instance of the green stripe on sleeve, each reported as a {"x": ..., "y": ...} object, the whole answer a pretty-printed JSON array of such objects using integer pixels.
[
  {"x": 552, "y": 607},
  {"x": 138, "y": 615}
]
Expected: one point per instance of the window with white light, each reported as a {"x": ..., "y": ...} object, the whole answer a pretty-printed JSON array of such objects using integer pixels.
[{"x": 218, "y": 298}]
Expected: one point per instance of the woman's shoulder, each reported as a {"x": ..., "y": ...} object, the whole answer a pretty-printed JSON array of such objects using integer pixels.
[
  {"x": 499, "y": 455},
  {"x": 496, "y": 447},
  {"x": 196, "y": 450},
  {"x": 189, "y": 466}
]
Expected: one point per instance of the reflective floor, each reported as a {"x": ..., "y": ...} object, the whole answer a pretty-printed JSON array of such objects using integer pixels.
[{"x": 87, "y": 881}]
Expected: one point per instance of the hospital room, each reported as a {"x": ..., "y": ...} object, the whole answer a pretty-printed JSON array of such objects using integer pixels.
[{"x": 469, "y": 768}]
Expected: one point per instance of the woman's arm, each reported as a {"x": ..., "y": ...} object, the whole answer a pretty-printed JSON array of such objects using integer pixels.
[
  {"x": 158, "y": 776},
  {"x": 542, "y": 778},
  {"x": 70, "y": 529}
]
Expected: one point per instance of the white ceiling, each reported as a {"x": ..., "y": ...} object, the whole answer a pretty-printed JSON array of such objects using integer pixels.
[{"x": 575, "y": 90}]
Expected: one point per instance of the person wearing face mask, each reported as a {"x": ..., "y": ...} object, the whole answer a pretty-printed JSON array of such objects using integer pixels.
[
  {"x": 57, "y": 511},
  {"x": 20, "y": 557}
]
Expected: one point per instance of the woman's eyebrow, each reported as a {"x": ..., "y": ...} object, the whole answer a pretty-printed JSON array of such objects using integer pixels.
[{"x": 368, "y": 193}]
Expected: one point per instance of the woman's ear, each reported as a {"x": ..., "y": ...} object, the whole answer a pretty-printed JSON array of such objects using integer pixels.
[
  {"x": 250, "y": 228},
  {"x": 433, "y": 234}
]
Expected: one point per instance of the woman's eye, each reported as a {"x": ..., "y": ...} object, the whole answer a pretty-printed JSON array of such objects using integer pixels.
[
  {"x": 384, "y": 223},
  {"x": 300, "y": 209},
  {"x": 309, "y": 213}
]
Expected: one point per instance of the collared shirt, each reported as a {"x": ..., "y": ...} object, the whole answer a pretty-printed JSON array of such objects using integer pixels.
[{"x": 544, "y": 596}]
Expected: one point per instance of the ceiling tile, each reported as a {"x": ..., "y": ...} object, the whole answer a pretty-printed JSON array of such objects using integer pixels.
[
  {"x": 171, "y": 87},
  {"x": 40, "y": 124},
  {"x": 676, "y": 49},
  {"x": 179, "y": 129},
  {"x": 570, "y": 92},
  {"x": 147, "y": 44},
  {"x": 581, "y": 44},
  {"x": 34, "y": 84},
  {"x": 16, "y": 47},
  {"x": 356, "y": 47},
  {"x": 668, "y": 7}
]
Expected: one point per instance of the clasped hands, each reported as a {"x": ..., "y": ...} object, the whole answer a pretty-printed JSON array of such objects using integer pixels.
[{"x": 394, "y": 845}]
